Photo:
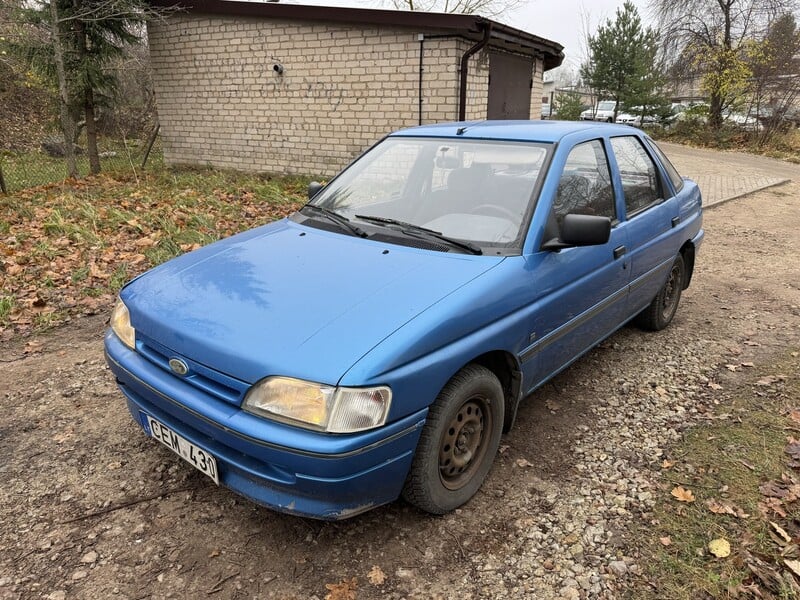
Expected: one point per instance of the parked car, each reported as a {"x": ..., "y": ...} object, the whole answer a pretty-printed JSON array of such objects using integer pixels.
[
  {"x": 625, "y": 118},
  {"x": 748, "y": 122},
  {"x": 634, "y": 117},
  {"x": 378, "y": 341},
  {"x": 603, "y": 111}
]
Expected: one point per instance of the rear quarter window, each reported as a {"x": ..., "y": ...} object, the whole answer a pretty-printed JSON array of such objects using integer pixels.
[{"x": 672, "y": 172}]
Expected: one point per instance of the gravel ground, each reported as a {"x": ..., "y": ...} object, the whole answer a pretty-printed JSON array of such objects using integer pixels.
[{"x": 91, "y": 508}]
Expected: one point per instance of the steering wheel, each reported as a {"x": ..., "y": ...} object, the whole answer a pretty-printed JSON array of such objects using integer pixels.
[{"x": 497, "y": 210}]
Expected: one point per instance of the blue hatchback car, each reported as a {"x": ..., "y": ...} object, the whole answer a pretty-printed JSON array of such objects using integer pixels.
[{"x": 377, "y": 342}]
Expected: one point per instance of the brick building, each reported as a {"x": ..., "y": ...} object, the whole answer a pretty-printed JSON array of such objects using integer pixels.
[{"x": 304, "y": 89}]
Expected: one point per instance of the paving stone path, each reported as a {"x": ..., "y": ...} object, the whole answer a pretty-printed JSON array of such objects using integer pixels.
[{"x": 739, "y": 174}]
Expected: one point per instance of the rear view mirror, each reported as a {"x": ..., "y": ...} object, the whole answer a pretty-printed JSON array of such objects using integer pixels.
[
  {"x": 313, "y": 189},
  {"x": 444, "y": 161}
]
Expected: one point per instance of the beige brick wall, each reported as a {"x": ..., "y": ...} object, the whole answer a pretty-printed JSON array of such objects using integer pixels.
[
  {"x": 343, "y": 87},
  {"x": 537, "y": 91}
]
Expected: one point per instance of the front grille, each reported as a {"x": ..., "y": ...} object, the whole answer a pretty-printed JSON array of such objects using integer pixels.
[{"x": 200, "y": 376}]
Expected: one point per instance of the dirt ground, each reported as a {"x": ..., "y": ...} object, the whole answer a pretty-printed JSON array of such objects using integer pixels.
[{"x": 91, "y": 508}]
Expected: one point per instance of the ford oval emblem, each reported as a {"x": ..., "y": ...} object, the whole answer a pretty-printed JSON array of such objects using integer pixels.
[{"x": 178, "y": 366}]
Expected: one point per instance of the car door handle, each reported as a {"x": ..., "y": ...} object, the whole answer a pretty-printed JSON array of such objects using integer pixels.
[
  {"x": 675, "y": 221},
  {"x": 620, "y": 251}
]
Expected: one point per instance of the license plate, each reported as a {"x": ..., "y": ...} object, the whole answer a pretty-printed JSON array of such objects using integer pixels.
[{"x": 195, "y": 456}]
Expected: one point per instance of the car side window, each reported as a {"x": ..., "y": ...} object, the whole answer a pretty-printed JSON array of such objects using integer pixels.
[
  {"x": 672, "y": 172},
  {"x": 585, "y": 185},
  {"x": 640, "y": 181}
]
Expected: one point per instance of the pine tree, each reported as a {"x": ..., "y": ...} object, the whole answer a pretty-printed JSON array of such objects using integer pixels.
[
  {"x": 74, "y": 44},
  {"x": 623, "y": 64}
]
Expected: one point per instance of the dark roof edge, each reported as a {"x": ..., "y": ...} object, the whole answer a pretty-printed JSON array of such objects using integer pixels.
[{"x": 470, "y": 26}]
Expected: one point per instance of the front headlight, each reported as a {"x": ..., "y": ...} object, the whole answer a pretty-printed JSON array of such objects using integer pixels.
[
  {"x": 317, "y": 406},
  {"x": 121, "y": 325}
]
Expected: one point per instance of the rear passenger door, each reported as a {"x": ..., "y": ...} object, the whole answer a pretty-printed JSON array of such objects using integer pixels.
[
  {"x": 585, "y": 288},
  {"x": 651, "y": 213}
]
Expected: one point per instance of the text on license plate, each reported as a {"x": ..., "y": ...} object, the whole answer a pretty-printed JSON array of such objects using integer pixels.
[{"x": 195, "y": 456}]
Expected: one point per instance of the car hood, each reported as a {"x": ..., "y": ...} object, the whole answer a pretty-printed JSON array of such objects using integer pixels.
[{"x": 287, "y": 299}]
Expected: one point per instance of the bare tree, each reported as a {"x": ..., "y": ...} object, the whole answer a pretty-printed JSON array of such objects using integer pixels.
[
  {"x": 67, "y": 122},
  {"x": 709, "y": 34},
  {"x": 775, "y": 82},
  {"x": 487, "y": 8}
]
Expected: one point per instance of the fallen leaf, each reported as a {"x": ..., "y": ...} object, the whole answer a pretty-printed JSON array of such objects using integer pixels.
[
  {"x": 667, "y": 464},
  {"x": 793, "y": 449},
  {"x": 714, "y": 386},
  {"x": 31, "y": 347},
  {"x": 97, "y": 272},
  {"x": 376, "y": 576},
  {"x": 552, "y": 405},
  {"x": 720, "y": 547},
  {"x": 785, "y": 537},
  {"x": 344, "y": 590},
  {"x": 521, "y": 462},
  {"x": 792, "y": 551},
  {"x": 771, "y": 505},
  {"x": 733, "y": 368},
  {"x": 665, "y": 541},
  {"x": 682, "y": 494},
  {"x": 794, "y": 565},
  {"x": 214, "y": 553},
  {"x": 770, "y": 379},
  {"x": 725, "y": 508},
  {"x": 795, "y": 415}
]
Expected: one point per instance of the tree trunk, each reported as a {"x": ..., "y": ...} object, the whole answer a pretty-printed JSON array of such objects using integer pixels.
[
  {"x": 716, "y": 100},
  {"x": 88, "y": 99},
  {"x": 91, "y": 133},
  {"x": 715, "y": 112},
  {"x": 67, "y": 122}
]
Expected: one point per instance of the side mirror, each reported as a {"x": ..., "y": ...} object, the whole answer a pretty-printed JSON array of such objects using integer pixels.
[
  {"x": 313, "y": 189},
  {"x": 581, "y": 230}
]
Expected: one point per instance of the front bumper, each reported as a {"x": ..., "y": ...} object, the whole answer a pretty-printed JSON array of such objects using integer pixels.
[{"x": 286, "y": 468}]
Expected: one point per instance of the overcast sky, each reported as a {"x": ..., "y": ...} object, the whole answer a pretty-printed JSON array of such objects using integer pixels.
[{"x": 562, "y": 21}]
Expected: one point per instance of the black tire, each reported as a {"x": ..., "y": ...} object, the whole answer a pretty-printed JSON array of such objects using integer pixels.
[
  {"x": 458, "y": 443},
  {"x": 661, "y": 310}
]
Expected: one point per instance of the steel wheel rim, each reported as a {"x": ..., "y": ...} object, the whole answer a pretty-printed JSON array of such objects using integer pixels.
[
  {"x": 464, "y": 442},
  {"x": 671, "y": 293}
]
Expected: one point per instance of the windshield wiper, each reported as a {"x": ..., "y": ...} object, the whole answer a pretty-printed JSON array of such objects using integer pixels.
[
  {"x": 337, "y": 218},
  {"x": 419, "y": 231}
]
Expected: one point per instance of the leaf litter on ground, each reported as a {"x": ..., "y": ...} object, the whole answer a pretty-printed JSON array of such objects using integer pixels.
[{"x": 67, "y": 248}]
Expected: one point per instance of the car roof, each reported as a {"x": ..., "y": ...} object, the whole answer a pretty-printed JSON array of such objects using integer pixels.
[{"x": 530, "y": 131}]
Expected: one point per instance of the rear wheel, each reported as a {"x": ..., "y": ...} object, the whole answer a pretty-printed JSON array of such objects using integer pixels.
[
  {"x": 661, "y": 310},
  {"x": 458, "y": 443}
]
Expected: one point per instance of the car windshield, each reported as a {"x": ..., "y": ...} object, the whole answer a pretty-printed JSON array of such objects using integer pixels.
[
  {"x": 476, "y": 191},
  {"x": 606, "y": 105}
]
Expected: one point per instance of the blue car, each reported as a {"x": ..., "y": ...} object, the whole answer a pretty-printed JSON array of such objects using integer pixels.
[{"x": 378, "y": 342}]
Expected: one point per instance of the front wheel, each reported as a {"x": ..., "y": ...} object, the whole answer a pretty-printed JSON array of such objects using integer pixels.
[
  {"x": 661, "y": 310},
  {"x": 458, "y": 443}
]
